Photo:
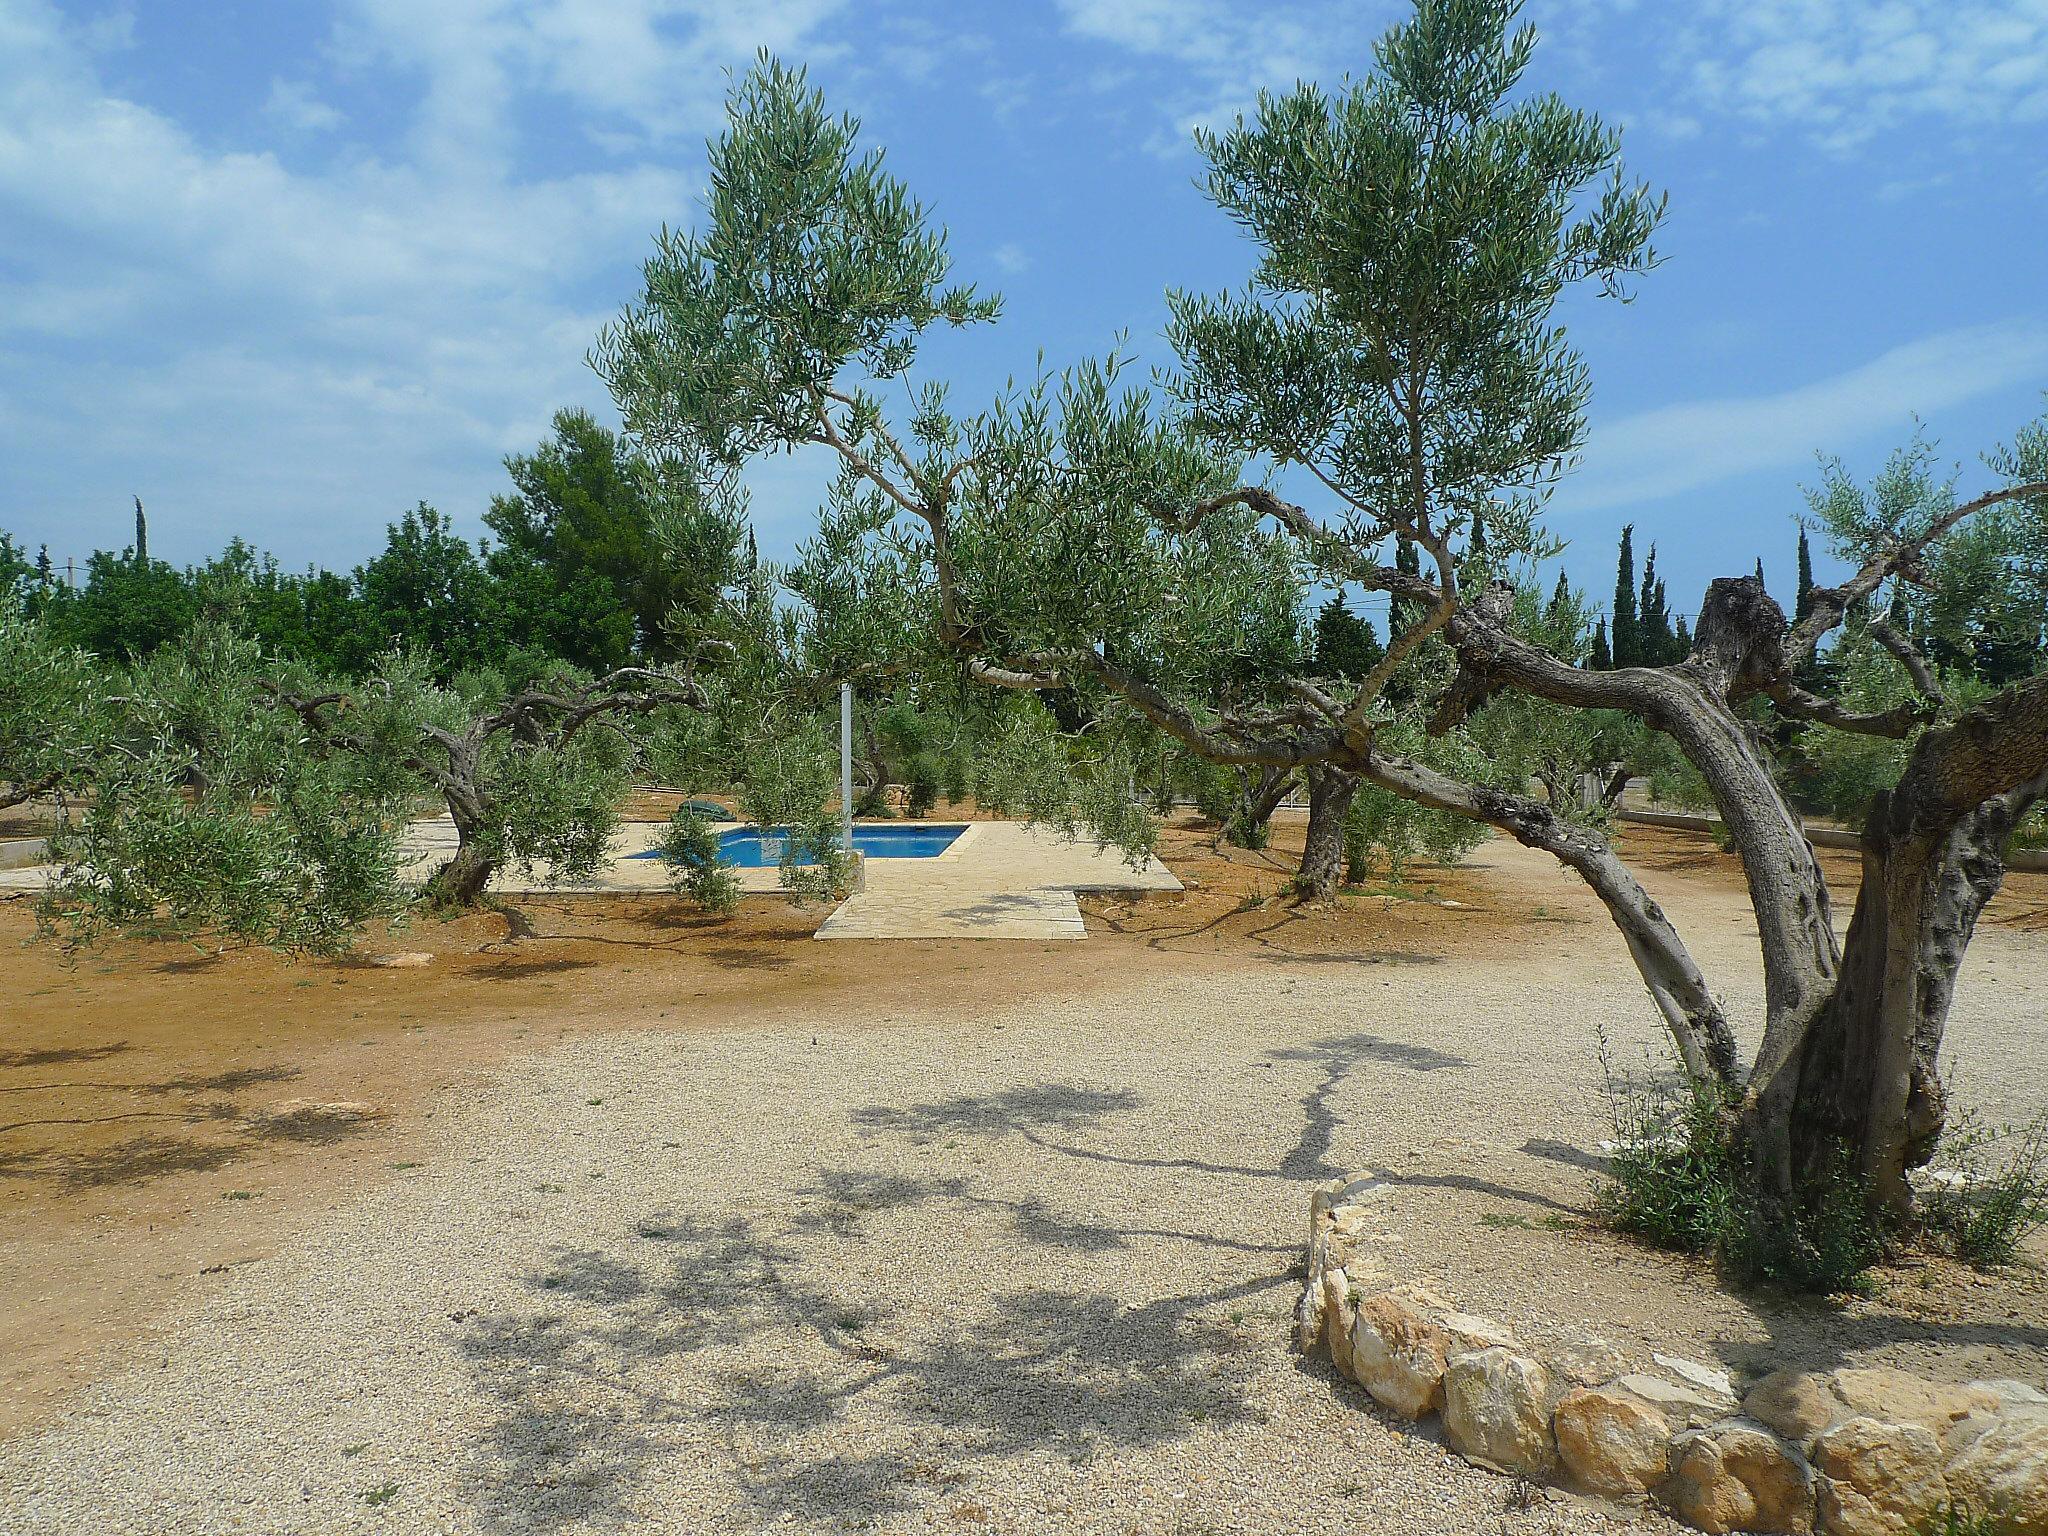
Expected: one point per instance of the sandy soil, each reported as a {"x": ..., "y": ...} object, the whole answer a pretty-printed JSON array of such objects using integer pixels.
[{"x": 179, "y": 1207}]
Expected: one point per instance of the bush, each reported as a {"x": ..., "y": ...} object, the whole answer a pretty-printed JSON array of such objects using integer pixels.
[
  {"x": 921, "y": 792},
  {"x": 694, "y": 867},
  {"x": 816, "y": 864},
  {"x": 1826, "y": 1243},
  {"x": 1675, "y": 1180},
  {"x": 1986, "y": 1214},
  {"x": 1682, "y": 1178}
]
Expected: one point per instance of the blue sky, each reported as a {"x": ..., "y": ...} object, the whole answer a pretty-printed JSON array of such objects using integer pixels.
[{"x": 285, "y": 269}]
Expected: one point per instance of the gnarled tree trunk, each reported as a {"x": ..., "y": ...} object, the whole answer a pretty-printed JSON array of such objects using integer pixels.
[
  {"x": 1864, "y": 1078},
  {"x": 1262, "y": 798},
  {"x": 1330, "y": 793}
]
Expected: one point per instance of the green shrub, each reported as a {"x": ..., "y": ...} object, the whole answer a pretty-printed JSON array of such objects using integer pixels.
[
  {"x": 1240, "y": 829},
  {"x": 816, "y": 864},
  {"x": 1682, "y": 1178},
  {"x": 1676, "y": 1177},
  {"x": 921, "y": 792},
  {"x": 1826, "y": 1243},
  {"x": 1987, "y": 1213},
  {"x": 694, "y": 867}
]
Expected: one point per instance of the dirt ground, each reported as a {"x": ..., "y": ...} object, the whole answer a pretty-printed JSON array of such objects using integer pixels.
[{"x": 169, "y": 1112}]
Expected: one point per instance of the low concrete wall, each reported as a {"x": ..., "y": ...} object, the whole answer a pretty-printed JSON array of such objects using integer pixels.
[
  {"x": 1820, "y": 837},
  {"x": 21, "y": 852}
]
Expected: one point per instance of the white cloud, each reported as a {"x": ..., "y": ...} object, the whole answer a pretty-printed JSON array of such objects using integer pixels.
[
  {"x": 294, "y": 104},
  {"x": 1682, "y": 448},
  {"x": 1222, "y": 53},
  {"x": 244, "y": 339},
  {"x": 1010, "y": 258},
  {"x": 1839, "y": 71}
]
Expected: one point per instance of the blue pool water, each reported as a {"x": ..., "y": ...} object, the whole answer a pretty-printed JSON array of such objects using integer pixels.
[{"x": 752, "y": 848}]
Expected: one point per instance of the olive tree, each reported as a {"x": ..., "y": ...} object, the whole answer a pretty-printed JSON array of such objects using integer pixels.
[
  {"x": 1396, "y": 354},
  {"x": 54, "y": 711},
  {"x": 204, "y": 812},
  {"x": 528, "y": 774}
]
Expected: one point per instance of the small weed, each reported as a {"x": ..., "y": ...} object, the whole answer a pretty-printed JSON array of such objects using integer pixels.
[
  {"x": 851, "y": 1322},
  {"x": 1987, "y": 1213},
  {"x": 383, "y": 1493},
  {"x": 1960, "y": 1520},
  {"x": 239, "y": 1194},
  {"x": 1505, "y": 1219},
  {"x": 1236, "y": 1319},
  {"x": 593, "y": 1103},
  {"x": 1199, "y": 1415},
  {"x": 401, "y": 1167},
  {"x": 549, "y": 1189},
  {"x": 357, "y": 1449}
]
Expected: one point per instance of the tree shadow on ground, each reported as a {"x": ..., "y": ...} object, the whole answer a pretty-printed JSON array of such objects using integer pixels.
[
  {"x": 222, "y": 1131},
  {"x": 740, "y": 1350},
  {"x": 58, "y": 1056},
  {"x": 726, "y": 1347},
  {"x": 1031, "y": 1113}
]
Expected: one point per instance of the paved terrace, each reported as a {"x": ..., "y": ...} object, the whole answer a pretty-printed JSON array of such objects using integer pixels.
[{"x": 999, "y": 880}]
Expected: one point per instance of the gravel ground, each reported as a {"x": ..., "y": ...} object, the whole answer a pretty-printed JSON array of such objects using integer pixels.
[{"x": 1023, "y": 1271}]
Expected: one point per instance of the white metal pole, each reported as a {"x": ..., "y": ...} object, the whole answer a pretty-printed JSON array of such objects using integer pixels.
[{"x": 846, "y": 763}]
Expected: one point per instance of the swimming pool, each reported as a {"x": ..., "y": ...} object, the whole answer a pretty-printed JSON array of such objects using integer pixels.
[{"x": 758, "y": 848}]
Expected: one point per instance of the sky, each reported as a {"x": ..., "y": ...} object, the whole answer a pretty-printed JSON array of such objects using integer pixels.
[{"x": 286, "y": 269}]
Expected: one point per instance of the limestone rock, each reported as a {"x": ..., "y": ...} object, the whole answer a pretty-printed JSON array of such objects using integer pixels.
[
  {"x": 1737, "y": 1476},
  {"x": 2004, "y": 1471},
  {"x": 1338, "y": 1313},
  {"x": 2015, "y": 1398},
  {"x": 1497, "y": 1408},
  {"x": 1710, "y": 1381},
  {"x": 404, "y": 960},
  {"x": 1681, "y": 1405},
  {"x": 1340, "y": 1218},
  {"x": 1611, "y": 1442},
  {"x": 1796, "y": 1404},
  {"x": 1877, "y": 1479},
  {"x": 1897, "y": 1398},
  {"x": 1401, "y": 1341}
]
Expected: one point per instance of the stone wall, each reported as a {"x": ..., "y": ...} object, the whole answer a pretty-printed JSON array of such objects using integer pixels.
[{"x": 1846, "y": 1452}]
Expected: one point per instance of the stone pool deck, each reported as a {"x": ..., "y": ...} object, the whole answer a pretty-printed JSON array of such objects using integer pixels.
[{"x": 999, "y": 880}]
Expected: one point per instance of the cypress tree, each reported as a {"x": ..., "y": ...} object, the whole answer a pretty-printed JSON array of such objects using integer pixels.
[
  {"x": 1345, "y": 644},
  {"x": 141, "y": 535},
  {"x": 1601, "y": 659},
  {"x": 1560, "y": 598},
  {"x": 1653, "y": 638},
  {"x": 1624, "y": 627},
  {"x": 1804, "y": 601}
]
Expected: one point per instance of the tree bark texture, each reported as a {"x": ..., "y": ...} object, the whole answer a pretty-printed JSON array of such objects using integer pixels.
[{"x": 1330, "y": 793}]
